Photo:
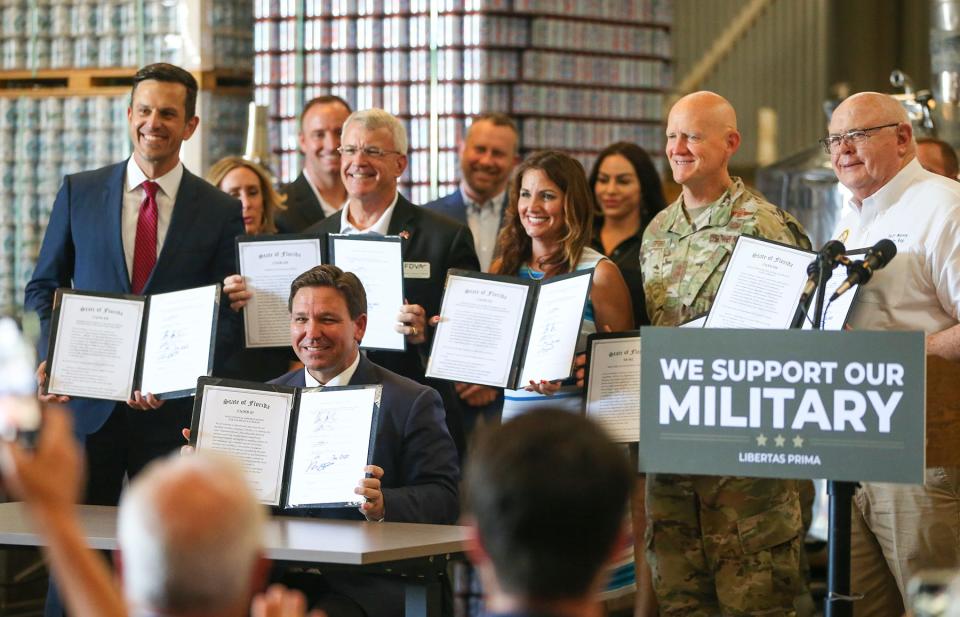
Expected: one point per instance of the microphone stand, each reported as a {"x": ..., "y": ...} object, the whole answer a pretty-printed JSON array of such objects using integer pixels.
[{"x": 839, "y": 601}]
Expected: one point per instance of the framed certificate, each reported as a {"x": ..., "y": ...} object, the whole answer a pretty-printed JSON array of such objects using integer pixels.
[
  {"x": 269, "y": 264},
  {"x": 106, "y": 346},
  {"x": 378, "y": 263},
  {"x": 299, "y": 447},
  {"x": 762, "y": 286},
  {"x": 613, "y": 383},
  {"x": 494, "y": 328}
]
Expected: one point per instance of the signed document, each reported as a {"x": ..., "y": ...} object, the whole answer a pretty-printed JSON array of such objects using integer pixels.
[
  {"x": 299, "y": 447},
  {"x": 250, "y": 422},
  {"x": 761, "y": 286},
  {"x": 378, "y": 263},
  {"x": 333, "y": 441},
  {"x": 269, "y": 264},
  {"x": 179, "y": 341},
  {"x": 493, "y": 327},
  {"x": 552, "y": 342},
  {"x": 106, "y": 346},
  {"x": 613, "y": 384}
]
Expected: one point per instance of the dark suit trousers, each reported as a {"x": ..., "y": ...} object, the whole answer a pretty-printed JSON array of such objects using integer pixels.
[{"x": 127, "y": 441}]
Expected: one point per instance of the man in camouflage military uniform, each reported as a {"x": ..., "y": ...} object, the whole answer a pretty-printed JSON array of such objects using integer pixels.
[{"x": 716, "y": 545}]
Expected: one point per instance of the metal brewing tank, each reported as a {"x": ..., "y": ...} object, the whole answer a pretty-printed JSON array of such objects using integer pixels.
[
  {"x": 804, "y": 185},
  {"x": 945, "y": 67}
]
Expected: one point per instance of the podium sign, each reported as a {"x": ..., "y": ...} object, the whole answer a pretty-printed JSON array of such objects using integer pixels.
[{"x": 783, "y": 404}]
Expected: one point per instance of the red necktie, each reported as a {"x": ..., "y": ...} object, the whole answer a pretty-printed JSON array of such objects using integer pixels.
[{"x": 145, "y": 248}]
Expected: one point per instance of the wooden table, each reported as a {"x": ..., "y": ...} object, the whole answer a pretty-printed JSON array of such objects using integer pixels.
[{"x": 348, "y": 543}]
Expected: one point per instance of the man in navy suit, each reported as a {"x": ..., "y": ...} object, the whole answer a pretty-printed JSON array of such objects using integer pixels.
[
  {"x": 415, "y": 473},
  {"x": 488, "y": 156},
  {"x": 318, "y": 191},
  {"x": 143, "y": 226}
]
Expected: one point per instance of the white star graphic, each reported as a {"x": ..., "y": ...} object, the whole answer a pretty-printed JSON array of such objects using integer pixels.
[
  {"x": 779, "y": 440},
  {"x": 761, "y": 440}
]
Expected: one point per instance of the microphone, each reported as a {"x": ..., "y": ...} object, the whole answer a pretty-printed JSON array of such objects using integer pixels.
[
  {"x": 830, "y": 254},
  {"x": 859, "y": 272}
]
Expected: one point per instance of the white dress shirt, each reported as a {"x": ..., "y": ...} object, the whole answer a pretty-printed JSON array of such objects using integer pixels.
[
  {"x": 133, "y": 195},
  {"x": 920, "y": 288},
  {"x": 484, "y": 223},
  {"x": 343, "y": 379},
  {"x": 380, "y": 227}
]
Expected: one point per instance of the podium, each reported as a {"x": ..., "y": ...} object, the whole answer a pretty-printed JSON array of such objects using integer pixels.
[
  {"x": 943, "y": 412},
  {"x": 847, "y": 406}
]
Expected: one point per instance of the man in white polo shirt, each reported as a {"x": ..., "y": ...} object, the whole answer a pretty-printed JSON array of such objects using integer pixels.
[{"x": 899, "y": 530}]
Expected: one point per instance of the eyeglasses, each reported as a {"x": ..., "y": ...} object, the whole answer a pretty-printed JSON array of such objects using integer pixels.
[
  {"x": 830, "y": 143},
  {"x": 373, "y": 152}
]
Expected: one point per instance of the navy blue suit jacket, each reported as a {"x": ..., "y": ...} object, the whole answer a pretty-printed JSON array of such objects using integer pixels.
[
  {"x": 414, "y": 448},
  {"x": 83, "y": 249},
  {"x": 452, "y": 205}
]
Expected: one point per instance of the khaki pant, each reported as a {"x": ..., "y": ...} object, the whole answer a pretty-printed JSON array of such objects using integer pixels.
[{"x": 897, "y": 531}]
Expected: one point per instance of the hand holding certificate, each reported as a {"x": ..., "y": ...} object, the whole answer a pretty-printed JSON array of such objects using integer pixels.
[
  {"x": 378, "y": 263},
  {"x": 269, "y": 264},
  {"x": 499, "y": 330},
  {"x": 106, "y": 346},
  {"x": 300, "y": 448}
]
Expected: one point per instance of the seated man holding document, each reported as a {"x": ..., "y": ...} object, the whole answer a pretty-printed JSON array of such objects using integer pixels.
[
  {"x": 415, "y": 471},
  {"x": 348, "y": 439}
]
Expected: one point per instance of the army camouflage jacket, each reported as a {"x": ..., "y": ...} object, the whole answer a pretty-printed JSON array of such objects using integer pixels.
[{"x": 682, "y": 265}]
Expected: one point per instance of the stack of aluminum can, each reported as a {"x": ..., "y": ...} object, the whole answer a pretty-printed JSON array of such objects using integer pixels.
[{"x": 574, "y": 84}]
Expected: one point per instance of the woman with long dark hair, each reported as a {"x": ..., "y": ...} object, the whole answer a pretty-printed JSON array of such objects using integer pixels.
[{"x": 629, "y": 194}]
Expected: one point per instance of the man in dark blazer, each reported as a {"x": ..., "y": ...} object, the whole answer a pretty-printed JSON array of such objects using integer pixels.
[
  {"x": 374, "y": 146},
  {"x": 318, "y": 191},
  {"x": 415, "y": 470},
  {"x": 91, "y": 243},
  {"x": 488, "y": 155},
  {"x": 415, "y": 473}
]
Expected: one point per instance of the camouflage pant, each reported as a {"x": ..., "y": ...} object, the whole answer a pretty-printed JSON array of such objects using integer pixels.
[{"x": 723, "y": 545}]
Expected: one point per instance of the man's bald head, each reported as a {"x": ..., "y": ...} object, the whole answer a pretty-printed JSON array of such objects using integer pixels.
[
  {"x": 882, "y": 143},
  {"x": 710, "y": 107},
  {"x": 190, "y": 535},
  {"x": 701, "y": 137}
]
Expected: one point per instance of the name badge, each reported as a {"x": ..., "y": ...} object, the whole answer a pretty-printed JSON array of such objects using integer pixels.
[{"x": 416, "y": 269}]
